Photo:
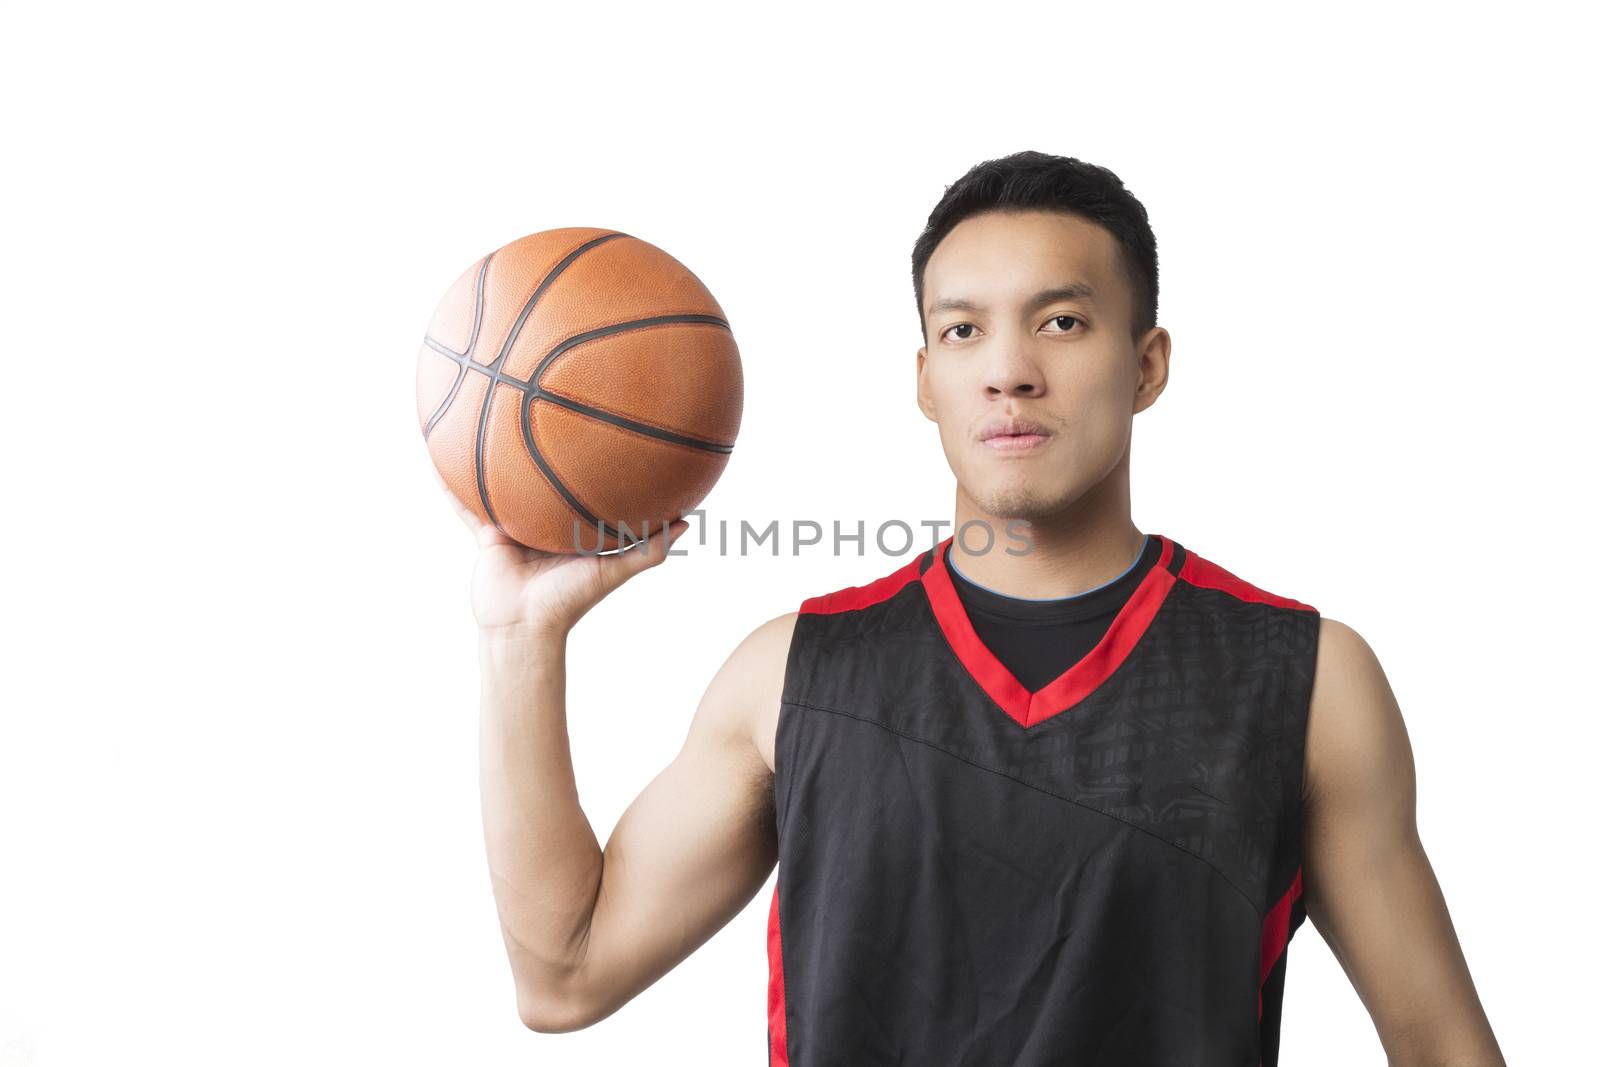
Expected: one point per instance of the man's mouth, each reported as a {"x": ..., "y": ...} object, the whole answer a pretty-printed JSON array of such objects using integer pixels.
[
  {"x": 1015, "y": 442},
  {"x": 1013, "y": 435}
]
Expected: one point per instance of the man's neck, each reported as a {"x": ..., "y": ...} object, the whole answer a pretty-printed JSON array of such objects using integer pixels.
[{"x": 1079, "y": 550}]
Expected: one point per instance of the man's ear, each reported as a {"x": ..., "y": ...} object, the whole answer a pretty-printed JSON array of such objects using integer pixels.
[
  {"x": 1155, "y": 361},
  {"x": 924, "y": 400}
]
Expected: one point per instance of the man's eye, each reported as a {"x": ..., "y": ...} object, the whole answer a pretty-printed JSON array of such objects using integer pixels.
[{"x": 1070, "y": 320}]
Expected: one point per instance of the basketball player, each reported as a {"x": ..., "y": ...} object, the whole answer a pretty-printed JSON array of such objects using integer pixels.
[{"x": 1056, "y": 798}]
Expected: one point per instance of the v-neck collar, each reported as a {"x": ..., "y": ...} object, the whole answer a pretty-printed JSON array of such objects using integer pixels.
[{"x": 1028, "y": 707}]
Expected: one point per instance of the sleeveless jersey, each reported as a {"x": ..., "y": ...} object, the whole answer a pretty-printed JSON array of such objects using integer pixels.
[{"x": 1104, "y": 871}]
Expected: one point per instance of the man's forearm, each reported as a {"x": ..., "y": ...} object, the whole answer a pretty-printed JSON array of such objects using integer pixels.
[{"x": 544, "y": 858}]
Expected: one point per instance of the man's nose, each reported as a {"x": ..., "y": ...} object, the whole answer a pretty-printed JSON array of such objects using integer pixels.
[{"x": 1012, "y": 373}]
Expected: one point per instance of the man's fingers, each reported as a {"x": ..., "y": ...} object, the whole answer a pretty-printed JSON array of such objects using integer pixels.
[
  {"x": 654, "y": 550},
  {"x": 642, "y": 556},
  {"x": 662, "y": 540}
]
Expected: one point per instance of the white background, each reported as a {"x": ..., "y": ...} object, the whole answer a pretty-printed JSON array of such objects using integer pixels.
[{"x": 238, "y": 765}]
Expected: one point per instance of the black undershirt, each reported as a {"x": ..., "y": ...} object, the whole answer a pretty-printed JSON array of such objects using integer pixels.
[{"x": 1038, "y": 640}]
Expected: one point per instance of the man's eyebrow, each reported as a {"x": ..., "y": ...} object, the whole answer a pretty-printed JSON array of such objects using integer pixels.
[{"x": 1071, "y": 291}]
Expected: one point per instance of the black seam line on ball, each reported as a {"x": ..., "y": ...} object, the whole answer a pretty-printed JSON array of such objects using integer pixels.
[
  {"x": 499, "y": 361},
  {"x": 460, "y": 357},
  {"x": 525, "y": 409},
  {"x": 619, "y": 327},
  {"x": 628, "y": 424},
  {"x": 499, "y": 375}
]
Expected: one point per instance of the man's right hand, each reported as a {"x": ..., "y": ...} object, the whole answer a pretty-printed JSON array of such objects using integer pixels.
[{"x": 545, "y": 593}]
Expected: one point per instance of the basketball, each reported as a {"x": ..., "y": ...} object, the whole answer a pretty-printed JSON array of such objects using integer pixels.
[{"x": 579, "y": 389}]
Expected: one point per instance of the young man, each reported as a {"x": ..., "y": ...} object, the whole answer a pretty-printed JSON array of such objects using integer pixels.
[{"x": 1055, "y": 791}]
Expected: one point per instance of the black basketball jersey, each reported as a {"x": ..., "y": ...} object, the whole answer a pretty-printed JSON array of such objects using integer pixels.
[{"x": 1105, "y": 871}]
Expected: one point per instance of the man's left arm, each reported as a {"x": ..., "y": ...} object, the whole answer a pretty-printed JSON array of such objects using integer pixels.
[{"x": 1368, "y": 886}]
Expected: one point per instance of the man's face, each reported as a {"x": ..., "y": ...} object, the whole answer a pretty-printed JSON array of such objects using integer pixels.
[{"x": 1028, "y": 318}]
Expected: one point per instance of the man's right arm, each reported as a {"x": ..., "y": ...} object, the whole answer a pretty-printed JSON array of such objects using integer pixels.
[{"x": 588, "y": 929}]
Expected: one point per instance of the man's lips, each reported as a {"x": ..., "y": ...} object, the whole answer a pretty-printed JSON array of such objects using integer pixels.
[
  {"x": 1015, "y": 442},
  {"x": 1015, "y": 433}
]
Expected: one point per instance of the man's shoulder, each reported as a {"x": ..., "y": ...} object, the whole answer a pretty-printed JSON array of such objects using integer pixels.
[
  {"x": 1356, "y": 740},
  {"x": 757, "y": 662},
  {"x": 758, "y": 666}
]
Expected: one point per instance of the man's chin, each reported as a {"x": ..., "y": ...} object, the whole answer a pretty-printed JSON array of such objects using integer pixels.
[{"x": 1025, "y": 505}]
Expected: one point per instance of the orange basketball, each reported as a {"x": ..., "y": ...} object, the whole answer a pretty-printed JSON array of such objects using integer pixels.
[{"x": 576, "y": 385}]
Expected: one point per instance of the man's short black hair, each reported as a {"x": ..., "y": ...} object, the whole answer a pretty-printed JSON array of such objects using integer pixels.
[{"x": 1026, "y": 181}]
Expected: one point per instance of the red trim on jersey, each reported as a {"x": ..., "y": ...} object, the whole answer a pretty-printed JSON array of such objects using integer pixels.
[
  {"x": 1207, "y": 575},
  {"x": 1275, "y": 932},
  {"x": 1078, "y": 680},
  {"x": 862, "y": 596},
  {"x": 777, "y": 1018}
]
